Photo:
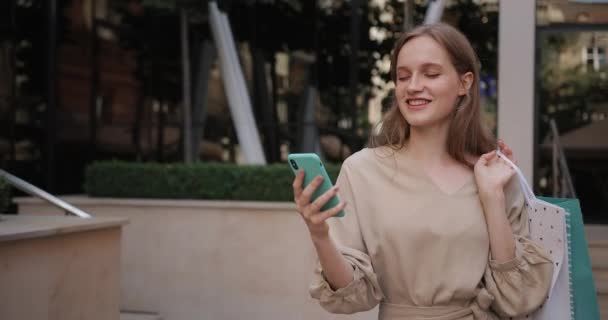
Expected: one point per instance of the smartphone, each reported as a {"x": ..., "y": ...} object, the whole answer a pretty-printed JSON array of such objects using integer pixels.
[{"x": 313, "y": 167}]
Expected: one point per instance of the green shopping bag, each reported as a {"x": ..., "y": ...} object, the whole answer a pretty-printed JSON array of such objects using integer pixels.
[
  {"x": 572, "y": 284},
  {"x": 584, "y": 300}
]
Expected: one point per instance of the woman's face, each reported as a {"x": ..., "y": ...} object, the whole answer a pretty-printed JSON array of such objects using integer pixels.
[{"x": 427, "y": 84}]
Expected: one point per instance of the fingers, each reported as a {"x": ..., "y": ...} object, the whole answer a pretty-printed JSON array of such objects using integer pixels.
[
  {"x": 322, "y": 216},
  {"x": 498, "y": 160},
  {"x": 323, "y": 199},
  {"x": 506, "y": 150},
  {"x": 504, "y": 163},
  {"x": 311, "y": 211},
  {"x": 307, "y": 193},
  {"x": 487, "y": 157},
  {"x": 297, "y": 184}
]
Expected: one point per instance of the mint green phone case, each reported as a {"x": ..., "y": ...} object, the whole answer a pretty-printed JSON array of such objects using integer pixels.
[{"x": 313, "y": 167}]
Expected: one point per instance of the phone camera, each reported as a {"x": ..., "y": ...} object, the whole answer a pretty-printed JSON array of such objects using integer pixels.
[{"x": 294, "y": 164}]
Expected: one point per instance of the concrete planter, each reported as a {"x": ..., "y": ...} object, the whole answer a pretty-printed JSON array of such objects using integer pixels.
[{"x": 191, "y": 259}]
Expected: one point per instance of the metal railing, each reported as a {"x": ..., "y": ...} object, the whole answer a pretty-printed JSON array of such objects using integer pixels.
[
  {"x": 560, "y": 165},
  {"x": 37, "y": 192}
]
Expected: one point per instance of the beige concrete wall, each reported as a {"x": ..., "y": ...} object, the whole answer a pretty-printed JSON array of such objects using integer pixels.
[
  {"x": 66, "y": 277},
  {"x": 214, "y": 260}
]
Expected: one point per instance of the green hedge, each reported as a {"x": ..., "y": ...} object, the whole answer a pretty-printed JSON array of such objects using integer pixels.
[
  {"x": 5, "y": 195},
  {"x": 196, "y": 181}
]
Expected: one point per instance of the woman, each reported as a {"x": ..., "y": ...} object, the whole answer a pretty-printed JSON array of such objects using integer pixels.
[{"x": 434, "y": 227}]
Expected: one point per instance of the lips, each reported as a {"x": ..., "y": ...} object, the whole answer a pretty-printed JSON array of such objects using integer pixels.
[{"x": 417, "y": 103}]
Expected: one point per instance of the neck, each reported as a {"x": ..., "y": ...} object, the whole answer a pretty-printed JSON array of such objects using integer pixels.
[{"x": 429, "y": 144}]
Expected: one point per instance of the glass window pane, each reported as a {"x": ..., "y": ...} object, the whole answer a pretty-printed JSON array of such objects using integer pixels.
[
  {"x": 571, "y": 11},
  {"x": 571, "y": 79}
]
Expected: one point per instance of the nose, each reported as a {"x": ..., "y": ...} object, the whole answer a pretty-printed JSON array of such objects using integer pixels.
[{"x": 415, "y": 84}]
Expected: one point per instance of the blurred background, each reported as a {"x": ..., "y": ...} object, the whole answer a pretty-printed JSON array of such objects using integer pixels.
[
  {"x": 168, "y": 123},
  {"x": 140, "y": 80}
]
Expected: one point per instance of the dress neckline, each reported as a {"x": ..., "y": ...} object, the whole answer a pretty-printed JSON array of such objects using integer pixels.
[{"x": 408, "y": 160}]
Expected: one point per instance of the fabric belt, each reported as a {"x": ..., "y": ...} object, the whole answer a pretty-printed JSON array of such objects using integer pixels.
[{"x": 478, "y": 309}]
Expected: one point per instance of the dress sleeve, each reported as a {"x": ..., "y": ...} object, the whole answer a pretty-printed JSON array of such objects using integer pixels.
[
  {"x": 521, "y": 285},
  {"x": 363, "y": 292}
]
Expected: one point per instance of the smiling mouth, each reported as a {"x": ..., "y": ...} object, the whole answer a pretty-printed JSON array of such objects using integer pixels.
[{"x": 417, "y": 103}]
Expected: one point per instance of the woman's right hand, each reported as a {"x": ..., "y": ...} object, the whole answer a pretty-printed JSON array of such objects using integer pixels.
[{"x": 315, "y": 219}]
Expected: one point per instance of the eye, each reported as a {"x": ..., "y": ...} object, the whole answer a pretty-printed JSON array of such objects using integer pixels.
[
  {"x": 403, "y": 77},
  {"x": 433, "y": 75}
]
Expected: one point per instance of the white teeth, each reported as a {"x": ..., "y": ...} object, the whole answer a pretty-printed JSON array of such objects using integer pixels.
[{"x": 417, "y": 102}]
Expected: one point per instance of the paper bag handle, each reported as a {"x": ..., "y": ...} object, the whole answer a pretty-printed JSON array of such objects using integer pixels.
[{"x": 525, "y": 187}]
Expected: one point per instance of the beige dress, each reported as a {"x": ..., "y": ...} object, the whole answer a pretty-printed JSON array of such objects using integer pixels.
[{"x": 423, "y": 254}]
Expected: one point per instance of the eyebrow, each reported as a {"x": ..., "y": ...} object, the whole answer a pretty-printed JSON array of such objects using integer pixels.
[{"x": 424, "y": 66}]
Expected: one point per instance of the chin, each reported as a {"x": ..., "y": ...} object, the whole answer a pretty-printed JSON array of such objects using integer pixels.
[
  {"x": 420, "y": 118},
  {"x": 415, "y": 118},
  {"x": 422, "y": 121}
]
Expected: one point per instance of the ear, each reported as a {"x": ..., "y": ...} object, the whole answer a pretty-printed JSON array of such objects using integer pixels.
[{"x": 466, "y": 81}]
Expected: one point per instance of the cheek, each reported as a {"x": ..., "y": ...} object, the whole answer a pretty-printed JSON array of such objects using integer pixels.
[
  {"x": 400, "y": 89},
  {"x": 446, "y": 89}
]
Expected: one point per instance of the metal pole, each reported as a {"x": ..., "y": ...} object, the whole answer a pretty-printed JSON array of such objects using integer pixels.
[
  {"x": 93, "y": 98},
  {"x": 264, "y": 104},
  {"x": 251, "y": 145},
  {"x": 434, "y": 11},
  {"x": 408, "y": 15},
  {"x": 236, "y": 91},
  {"x": 186, "y": 99},
  {"x": 354, "y": 67},
  {"x": 310, "y": 133},
  {"x": 206, "y": 58},
  {"x": 8, "y": 48},
  {"x": 12, "y": 67},
  {"x": 555, "y": 170},
  {"x": 51, "y": 97},
  {"x": 261, "y": 95}
]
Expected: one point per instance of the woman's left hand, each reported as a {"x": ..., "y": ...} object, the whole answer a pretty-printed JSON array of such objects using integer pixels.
[{"x": 492, "y": 173}]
